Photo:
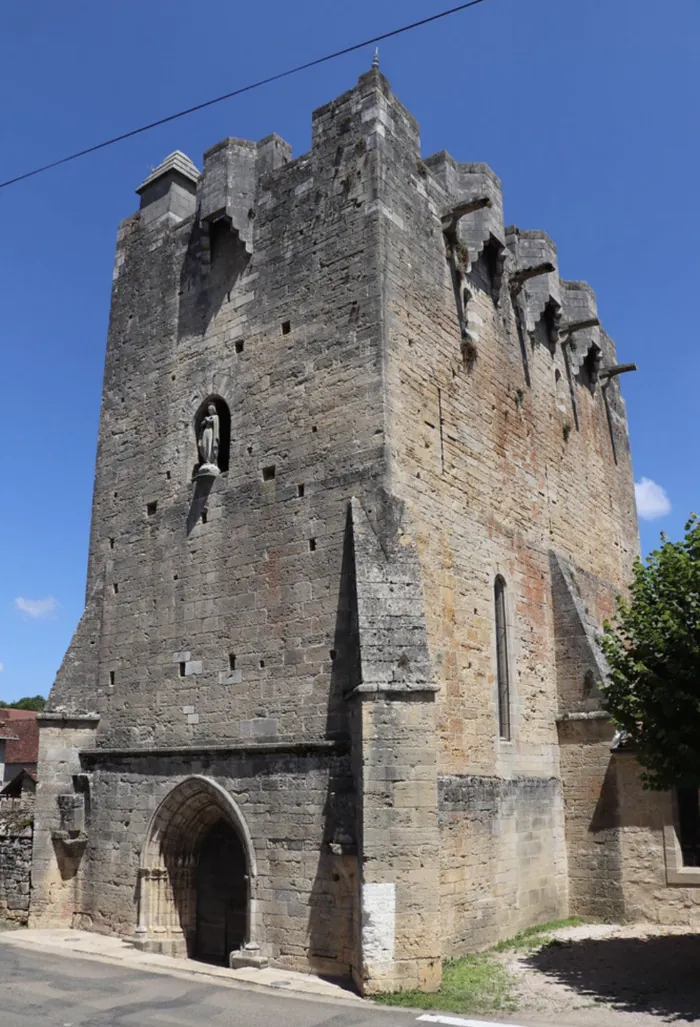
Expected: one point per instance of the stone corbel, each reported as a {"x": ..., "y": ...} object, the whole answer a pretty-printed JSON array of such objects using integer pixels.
[
  {"x": 456, "y": 211},
  {"x": 612, "y": 372},
  {"x": 71, "y": 834},
  {"x": 524, "y": 274}
]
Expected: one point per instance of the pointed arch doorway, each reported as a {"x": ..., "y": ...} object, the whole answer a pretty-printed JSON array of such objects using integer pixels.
[{"x": 197, "y": 876}]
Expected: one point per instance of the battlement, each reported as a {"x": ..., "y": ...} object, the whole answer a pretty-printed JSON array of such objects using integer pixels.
[{"x": 352, "y": 136}]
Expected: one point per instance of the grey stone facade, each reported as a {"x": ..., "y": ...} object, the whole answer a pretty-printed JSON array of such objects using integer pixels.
[{"x": 294, "y": 657}]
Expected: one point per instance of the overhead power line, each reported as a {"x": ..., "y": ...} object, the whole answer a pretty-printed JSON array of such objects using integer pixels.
[{"x": 238, "y": 92}]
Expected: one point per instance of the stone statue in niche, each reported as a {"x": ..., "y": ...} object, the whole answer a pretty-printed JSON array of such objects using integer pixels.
[{"x": 208, "y": 444}]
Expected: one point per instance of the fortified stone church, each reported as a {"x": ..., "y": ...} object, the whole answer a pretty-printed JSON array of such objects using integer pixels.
[{"x": 363, "y": 497}]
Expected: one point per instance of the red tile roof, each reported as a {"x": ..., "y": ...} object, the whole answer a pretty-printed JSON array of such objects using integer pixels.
[{"x": 23, "y": 725}]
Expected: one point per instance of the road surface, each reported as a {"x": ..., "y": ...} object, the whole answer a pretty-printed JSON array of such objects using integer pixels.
[{"x": 38, "y": 989}]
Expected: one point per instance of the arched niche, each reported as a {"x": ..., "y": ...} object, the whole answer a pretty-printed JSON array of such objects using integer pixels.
[{"x": 224, "y": 415}]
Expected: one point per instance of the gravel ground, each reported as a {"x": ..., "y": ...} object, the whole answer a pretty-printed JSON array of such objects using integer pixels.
[{"x": 602, "y": 975}]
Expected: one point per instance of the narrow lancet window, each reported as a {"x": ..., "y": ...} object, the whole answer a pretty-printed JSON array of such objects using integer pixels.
[{"x": 502, "y": 658}]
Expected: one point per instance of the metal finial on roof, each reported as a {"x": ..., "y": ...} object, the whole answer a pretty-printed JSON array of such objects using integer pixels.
[{"x": 375, "y": 59}]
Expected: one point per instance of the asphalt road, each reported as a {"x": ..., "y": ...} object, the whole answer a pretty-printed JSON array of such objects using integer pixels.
[{"x": 41, "y": 990}]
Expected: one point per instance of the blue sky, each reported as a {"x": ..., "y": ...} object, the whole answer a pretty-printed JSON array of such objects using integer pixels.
[{"x": 588, "y": 111}]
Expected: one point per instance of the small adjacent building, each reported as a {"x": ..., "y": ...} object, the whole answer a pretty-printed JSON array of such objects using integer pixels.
[
  {"x": 19, "y": 740},
  {"x": 21, "y": 732}
]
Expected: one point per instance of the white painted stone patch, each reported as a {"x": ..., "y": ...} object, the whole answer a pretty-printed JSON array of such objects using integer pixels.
[{"x": 379, "y": 923}]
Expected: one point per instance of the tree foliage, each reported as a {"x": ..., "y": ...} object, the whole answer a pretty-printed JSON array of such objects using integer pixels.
[
  {"x": 653, "y": 648},
  {"x": 34, "y": 702}
]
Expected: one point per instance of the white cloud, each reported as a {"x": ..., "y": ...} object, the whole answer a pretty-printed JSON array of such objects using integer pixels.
[
  {"x": 37, "y": 609},
  {"x": 1, "y": 668},
  {"x": 652, "y": 501}
]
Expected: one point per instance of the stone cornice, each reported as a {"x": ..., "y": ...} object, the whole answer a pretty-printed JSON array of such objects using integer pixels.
[
  {"x": 330, "y": 747},
  {"x": 374, "y": 689},
  {"x": 68, "y": 718}
]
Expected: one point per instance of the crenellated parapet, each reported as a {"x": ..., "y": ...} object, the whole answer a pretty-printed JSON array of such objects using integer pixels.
[
  {"x": 232, "y": 170},
  {"x": 223, "y": 196},
  {"x": 239, "y": 183},
  {"x": 473, "y": 214},
  {"x": 568, "y": 309},
  {"x": 540, "y": 295},
  {"x": 472, "y": 223},
  {"x": 484, "y": 229},
  {"x": 580, "y": 328}
]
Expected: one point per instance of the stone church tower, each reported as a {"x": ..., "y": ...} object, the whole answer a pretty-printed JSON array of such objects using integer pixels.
[{"x": 363, "y": 494}]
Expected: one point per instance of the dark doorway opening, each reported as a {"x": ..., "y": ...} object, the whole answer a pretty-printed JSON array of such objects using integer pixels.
[{"x": 222, "y": 895}]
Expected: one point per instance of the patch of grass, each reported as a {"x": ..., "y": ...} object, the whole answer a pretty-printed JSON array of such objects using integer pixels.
[
  {"x": 536, "y": 935},
  {"x": 478, "y": 983},
  {"x": 472, "y": 984}
]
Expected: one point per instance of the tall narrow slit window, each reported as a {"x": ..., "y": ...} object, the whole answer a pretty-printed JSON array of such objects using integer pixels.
[
  {"x": 502, "y": 670},
  {"x": 688, "y": 800}
]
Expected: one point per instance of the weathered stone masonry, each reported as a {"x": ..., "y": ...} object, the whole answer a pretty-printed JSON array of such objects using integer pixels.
[
  {"x": 16, "y": 830},
  {"x": 289, "y": 655}
]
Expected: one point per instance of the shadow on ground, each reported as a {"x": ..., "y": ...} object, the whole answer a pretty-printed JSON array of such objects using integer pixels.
[{"x": 659, "y": 975}]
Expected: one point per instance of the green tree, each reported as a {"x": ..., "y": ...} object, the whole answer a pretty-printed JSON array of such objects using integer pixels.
[
  {"x": 34, "y": 702},
  {"x": 653, "y": 648}
]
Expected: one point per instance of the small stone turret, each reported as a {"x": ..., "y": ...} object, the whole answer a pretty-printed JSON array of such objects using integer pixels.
[{"x": 170, "y": 190}]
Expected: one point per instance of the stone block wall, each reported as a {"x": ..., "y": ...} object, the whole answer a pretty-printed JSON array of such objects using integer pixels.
[
  {"x": 294, "y": 806},
  {"x": 592, "y": 817},
  {"x": 16, "y": 834},
  {"x": 57, "y": 866},
  {"x": 655, "y": 885},
  {"x": 502, "y": 857},
  {"x": 503, "y": 450},
  {"x": 623, "y": 853},
  {"x": 238, "y": 583},
  {"x": 401, "y": 944}
]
